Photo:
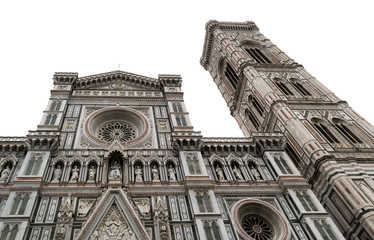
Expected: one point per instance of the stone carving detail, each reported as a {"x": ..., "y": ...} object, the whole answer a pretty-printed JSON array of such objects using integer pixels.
[
  {"x": 74, "y": 174},
  {"x": 92, "y": 174},
  {"x": 113, "y": 227},
  {"x": 238, "y": 173},
  {"x": 115, "y": 171},
  {"x": 5, "y": 174},
  {"x": 155, "y": 174},
  {"x": 144, "y": 207},
  {"x": 220, "y": 174},
  {"x": 161, "y": 213},
  {"x": 138, "y": 174},
  {"x": 83, "y": 207},
  {"x": 57, "y": 173},
  {"x": 171, "y": 173},
  {"x": 64, "y": 218}
]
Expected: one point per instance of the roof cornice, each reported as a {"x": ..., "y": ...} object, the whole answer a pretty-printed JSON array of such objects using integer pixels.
[{"x": 211, "y": 26}]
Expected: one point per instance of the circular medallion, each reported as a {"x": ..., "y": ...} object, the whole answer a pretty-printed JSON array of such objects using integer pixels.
[{"x": 120, "y": 124}]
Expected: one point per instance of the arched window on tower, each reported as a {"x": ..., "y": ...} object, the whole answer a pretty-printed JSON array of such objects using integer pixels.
[
  {"x": 253, "y": 119},
  {"x": 257, "y": 55},
  {"x": 323, "y": 128},
  {"x": 48, "y": 120},
  {"x": 54, "y": 119},
  {"x": 256, "y": 104},
  {"x": 203, "y": 200},
  {"x": 211, "y": 231},
  {"x": 58, "y": 106},
  {"x": 231, "y": 76},
  {"x": 346, "y": 130},
  {"x": 299, "y": 86},
  {"x": 282, "y": 86}
]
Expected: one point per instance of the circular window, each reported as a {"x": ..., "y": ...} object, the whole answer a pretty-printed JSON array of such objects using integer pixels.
[
  {"x": 254, "y": 219},
  {"x": 117, "y": 124},
  {"x": 120, "y": 131},
  {"x": 257, "y": 227}
]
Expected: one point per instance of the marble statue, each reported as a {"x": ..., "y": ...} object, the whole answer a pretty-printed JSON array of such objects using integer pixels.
[
  {"x": 220, "y": 174},
  {"x": 155, "y": 175},
  {"x": 238, "y": 173},
  {"x": 115, "y": 171},
  {"x": 92, "y": 173},
  {"x": 138, "y": 174},
  {"x": 171, "y": 172},
  {"x": 57, "y": 174},
  {"x": 256, "y": 174},
  {"x": 5, "y": 174},
  {"x": 75, "y": 173}
]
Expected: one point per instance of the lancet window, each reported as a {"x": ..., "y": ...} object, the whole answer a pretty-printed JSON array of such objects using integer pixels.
[
  {"x": 306, "y": 201},
  {"x": 51, "y": 119},
  {"x": 212, "y": 231},
  {"x": 55, "y": 106},
  {"x": 253, "y": 119},
  {"x": 34, "y": 165},
  {"x": 324, "y": 130},
  {"x": 256, "y": 104},
  {"x": 181, "y": 120},
  {"x": 324, "y": 229},
  {"x": 282, "y": 165},
  {"x": 283, "y": 87},
  {"x": 346, "y": 131},
  {"x": 300, "y": 87},
  {"x": 257, "y": 55},
  {"x": 231, "y": 76},
  {"x": 203, "y": 200},
  {"x": 9, "y": 232},
  {"x": 177, "y": 107},
  {"x": 20, "y": 203},
  {"x": 193, "y": 164}
]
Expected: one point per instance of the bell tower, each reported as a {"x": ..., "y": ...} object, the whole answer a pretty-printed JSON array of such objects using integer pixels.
[{"x": 267, "y": 91}]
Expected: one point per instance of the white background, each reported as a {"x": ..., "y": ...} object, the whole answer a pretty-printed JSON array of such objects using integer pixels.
[{"x": 332, "y": 39}]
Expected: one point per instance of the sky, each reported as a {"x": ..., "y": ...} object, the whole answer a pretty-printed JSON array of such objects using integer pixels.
[{"x": 333, "y": 40}]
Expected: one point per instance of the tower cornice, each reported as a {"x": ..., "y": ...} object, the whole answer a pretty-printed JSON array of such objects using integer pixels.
[{"x": 211, "y": 26}]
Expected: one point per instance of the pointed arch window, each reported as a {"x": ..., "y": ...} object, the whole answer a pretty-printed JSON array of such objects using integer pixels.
[
  {"x": 33, "y": 166},
  {"x": 306, "y": 201},
  {"x": 256, "y": 104},
  {"x": 193, "y": 165},
  {"x": 203, "y": 200},
  {"x": 177, "y": 107},
  {"x": 212, "y": 231},
  {"x": 231, "y": 76},
  {"x": 9, "y": 232},
  {"x": 53, "y": 121},
  {"x": 324, "y": 130},
  {"x": 253, "y": 119},
  {"x": 257, "y": 55},
  {"x": 324, "y": 229},
  {"x": 282, "y": 165},
  {"x": 48, "y": 120},
  {"x": 300, "y": 87},
  {"x": 346, "y": 131},
  {"x": 19, "y": 204},
  {"x": 283, "y": 87}
]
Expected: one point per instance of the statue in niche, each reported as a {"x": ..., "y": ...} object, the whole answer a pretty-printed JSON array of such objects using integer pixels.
[
  {"x": 155, "y": 175},
  {"x": 74, "y": 174},
  {"x": 92, "y": 174},
  {"x": 256, "y": 174},
  {"x": 57, "y": 174},
  {"x": 171, "y": 172},
  {"x": 5, "y": 174},
  {"x": 138, "y": 174},
  {"x": 238, "y": 173},
  {"x": 220, "y": 174},
  {"x": 115, "y": 171}
]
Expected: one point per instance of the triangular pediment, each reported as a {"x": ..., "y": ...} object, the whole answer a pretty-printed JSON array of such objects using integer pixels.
[
  {"x": 113, "y": 218},
  {"x": 117, "y": 80}
]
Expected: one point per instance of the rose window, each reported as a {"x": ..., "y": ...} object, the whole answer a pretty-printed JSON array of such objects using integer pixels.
[
  {"x": 257, "y": 227},
  {"x": 119, "y": 131}
]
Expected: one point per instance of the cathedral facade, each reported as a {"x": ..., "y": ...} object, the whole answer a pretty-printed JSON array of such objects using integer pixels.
[{"x": 115, "y": 156}]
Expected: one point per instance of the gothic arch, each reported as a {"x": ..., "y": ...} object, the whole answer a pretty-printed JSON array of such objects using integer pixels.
[
  {"x": 215, "y": 158},
  {"x": 231, "y": 158},
  {"x": 172, "y": 159},
  {"x": 138, "y": 158},
  {"x": 154, "y": 158},
  {"x": 8, "y": 159}
]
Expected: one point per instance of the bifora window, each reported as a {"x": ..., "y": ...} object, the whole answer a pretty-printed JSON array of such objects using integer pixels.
[
  {"x": 257, "y": 55},
  {"x": 231, "y": 76}
]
